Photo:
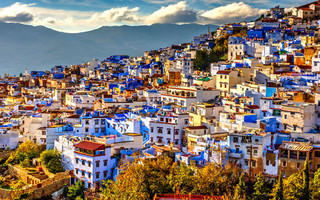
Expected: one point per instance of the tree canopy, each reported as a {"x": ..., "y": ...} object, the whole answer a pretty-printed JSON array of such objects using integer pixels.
[
  {"x": 24, "y": 153},
  {"x": 142, "y": 179},
  {"x": 51, "y": 160}
]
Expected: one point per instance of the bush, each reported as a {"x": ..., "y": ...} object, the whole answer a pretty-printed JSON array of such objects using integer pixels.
[
  {"x": 27, "y": 150},
  {"x": 51, "y": 160},
  {"x": 25, "y": 163}
]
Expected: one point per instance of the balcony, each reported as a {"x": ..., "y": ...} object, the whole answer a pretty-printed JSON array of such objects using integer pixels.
[{"x": 236, "y": 155}]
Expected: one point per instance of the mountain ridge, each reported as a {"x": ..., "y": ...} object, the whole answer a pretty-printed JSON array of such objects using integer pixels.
[{"x": 40, "y": 48}]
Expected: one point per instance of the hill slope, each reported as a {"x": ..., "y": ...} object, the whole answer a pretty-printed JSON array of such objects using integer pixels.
[{"x": 40, "y": 48}]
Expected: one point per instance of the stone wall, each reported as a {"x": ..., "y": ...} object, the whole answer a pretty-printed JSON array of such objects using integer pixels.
[
  {"x": 23, "y": 175},
  {"x": 42, "y": 189}
]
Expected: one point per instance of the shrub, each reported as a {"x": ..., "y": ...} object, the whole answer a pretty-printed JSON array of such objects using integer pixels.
[{"x": 51, "y": 160}]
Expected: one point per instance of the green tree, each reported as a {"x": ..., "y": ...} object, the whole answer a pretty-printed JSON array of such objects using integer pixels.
[
  {"x": 277, "y": 192},
  {"x": 260, "y": 189},
  {"x": 27, "y": 150},
  {"x": 51, "y": 160},
  {"x": 181, "y": 178},
  {"x": 140, "y": 179},
  {"x": 316, "y": 185},
  {"x": 241, "y": 188},
  {"x": 76, "y": 190},
  {"x": 25, "y": 163},
  {"x": 201, "y": 61},
  {"x": 215, "y": 180},
  {"x": 306, "y": 177},
  {"x": 293, "y": 187}
]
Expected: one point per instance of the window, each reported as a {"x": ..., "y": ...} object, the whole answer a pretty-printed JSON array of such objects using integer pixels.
[
  {"x": 285, "y": 126},
  {"x": 294, "y": 128},
  {"x": 298, "y": 165},
  {"x": 97, "y": 175},
  {"x": 237, "y": 150},
  {"x": 105, "y": 174},
  {"x": 285, "y": 116},
  {"x": 87, "y": 121},
  {"x": 83, "y": 162},
  {"x": 89, "y": 163},
  {"x": 169, "y": 131},
  {"x": 246, "y": 162},
  {"x": 186, "y": 121},
  {"x": 159, "y": 130},
  {"x": 235, "y": 139},
  {"x": 96, "y": 130},
  {"x": 96, "y": 122},
  {"x": 151, "y": 129},
  {"x": 253, "y": 163},
  {"x": 86, "y": 130},
  {"x": 105, "y": 162},
  {"x": 267, "y": 162},
  {"x": 89, "y": 175},
  {"x": 97, "y": 163},
  {"x": 176, "y": 132},
  {"x": 77, "y": 171},
  {"x": 151, "y": 139},
  {"x": 317, "y": 154},
  {"x": 82, "y": 173},
  {"x": 103, "y": 122},
  {"x": 248, "y": 151},
  {"x": 284, "y": 163},
  {"x": 255, "y": 151},
  {"x": 77, "y": 160},
  {"x": 89, "y": 185}
]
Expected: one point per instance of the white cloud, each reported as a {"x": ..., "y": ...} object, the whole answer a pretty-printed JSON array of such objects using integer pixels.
[
  {"x": 123, "y": 14},
  {"x": 77, "y": 21},
  {"x": 174, "y": 13},
  {"x": 17, "y": 12},
  {"x": 231, "y": 13}
]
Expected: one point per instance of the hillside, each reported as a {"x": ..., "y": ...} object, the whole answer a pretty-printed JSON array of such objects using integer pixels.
[{"x": 40, "y": 48}]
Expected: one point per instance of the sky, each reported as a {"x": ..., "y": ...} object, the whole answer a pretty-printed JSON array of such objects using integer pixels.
[{"x": 84, "y": 15}]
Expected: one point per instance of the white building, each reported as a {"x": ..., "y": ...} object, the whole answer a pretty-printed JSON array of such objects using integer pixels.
[
  {"x": 9, "y": 139},
  {"x": 93, "y": 162},
  {"x": 168, "y": 127}
]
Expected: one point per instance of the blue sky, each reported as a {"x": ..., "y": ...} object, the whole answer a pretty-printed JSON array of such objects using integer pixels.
[{"x": 84, "y": 15}]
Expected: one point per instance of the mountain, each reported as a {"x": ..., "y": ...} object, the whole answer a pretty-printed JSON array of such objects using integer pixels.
[{"x": 40, "y": 48}]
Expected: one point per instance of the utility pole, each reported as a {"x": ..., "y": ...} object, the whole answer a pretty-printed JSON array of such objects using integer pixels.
[{"x": 250, "y": 167}]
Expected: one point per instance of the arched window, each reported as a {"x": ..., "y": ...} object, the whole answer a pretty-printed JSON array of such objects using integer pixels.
[{"x": 159, "y": 130}]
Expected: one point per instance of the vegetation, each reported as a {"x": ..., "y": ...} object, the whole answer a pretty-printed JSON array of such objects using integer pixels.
[
  {"x": 50, "y": 159},
  {"x": 24, "y": 154},
  {"x": 260, "y": 189},
  {"x": 76, "y": 191},
  {"x": 219, "y": 52},
  {"x": 241, "y": 189},
  {"x": 277, "y": 192},
  {"x": 201, "y": 61},
  {"x": 143, "y": 179}
]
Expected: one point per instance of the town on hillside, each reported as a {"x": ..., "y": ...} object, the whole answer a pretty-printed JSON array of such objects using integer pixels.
[{"x": 233, "y": 114}]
